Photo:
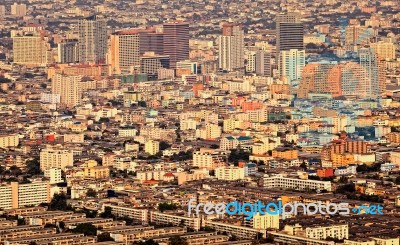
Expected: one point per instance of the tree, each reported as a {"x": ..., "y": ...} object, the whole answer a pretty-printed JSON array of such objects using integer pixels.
[
  {"x": 91, "y": 193},
  {"x": 166, "y": 206},
  {"x": 177, "y": 240},
  {"x": 86, "y": 228},
  {"x": 397, "y": 180},
  {"x": 107, "y": 213},
  {"x": 59, "y": 202},
  {"x": 164, "y": 145},
  {"x": 104, "y": 237},
  {"x": 148, "y": 242},
  {"x": 32, "y": 243},
  {"x": 33, "y": 166},
  {"x": 142, "y": 103}
]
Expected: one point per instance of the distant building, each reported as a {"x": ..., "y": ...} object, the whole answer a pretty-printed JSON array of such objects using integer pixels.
[
  {"x": 18, "y": 9},
  {"x": 176, "y": 41},
  {"x": 231, "y": 47},
  {"x": 15, "y": 195},
  {"x": 92, "y": 46},
  {"x": 55, "y": 158}
]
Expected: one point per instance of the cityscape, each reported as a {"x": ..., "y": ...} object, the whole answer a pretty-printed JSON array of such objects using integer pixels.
[{"x": 202, "y": 122}]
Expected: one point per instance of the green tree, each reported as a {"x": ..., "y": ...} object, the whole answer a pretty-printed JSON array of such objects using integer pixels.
[
  {"x": 59, "y": 202},
  {"x": 91, "y": 193},
  {"x": 104, "y": 237},
  {"x": 177, "y": 240},
  {"x": 107, "y": 213},
  {"x": 166, "y": 206},
  {"x": 164, "y": 145},
  {"x": 397, "y": 180},
  {"x": 33, "y": 166},
  {"x": 86, "y": 228}
]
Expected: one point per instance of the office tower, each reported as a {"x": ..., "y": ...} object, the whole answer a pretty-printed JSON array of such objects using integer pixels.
[
  {"x": 176, "y": 42},
  {"x": 289, "y": 32},
  {"x": 92, "y": 46},
  {"x": 291, "y": 64},
  {"x": 2, "y": 10},
  {"x": 150, "y": 63},
  {"x": 69, "y": 89},
  {"x": 385, "y": 50},
  {"x": 67, "y": 51},
  {"x": 263, "y": 63},
  {"x": 127, "y": 46},
  {"x": 370, "y": 62},
  {"x": 18, "y": 9},
  {"x": 231, "y": 47},
  {"x": 251, "y": 61},
  {"x": 32, "y": 49}
]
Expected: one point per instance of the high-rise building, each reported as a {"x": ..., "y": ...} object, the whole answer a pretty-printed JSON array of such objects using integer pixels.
[
  {"x": 92, "y": 46},
  {"x": 16, "y": 195},
  {"x": 231, "y": 48},
  {"x": 55, "y": 158},
  {"x": 263, "y": 63},
  {"x": 18, "y": 9},
  {"x": 176, "y": 41},
  {"x": 251, "y": 61},
  {"x": 374, "y": 67},
  {"x": 150, "y": 63},
  {"x": 67, "y": 51},
  {"x": 289, "y": 32},
  {"x": 69, "y": 89},
  {"x": 2, "y": 11},
  {"x": 385, "y": 50},
  {"x": 127, "y": 46},
  {"x": 32, "y": 49},
  {"x": 291, "y": 64}
]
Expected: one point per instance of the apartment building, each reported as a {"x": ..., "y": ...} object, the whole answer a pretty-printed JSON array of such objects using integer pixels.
[
  {"x": 278, "y": 181},
  {"x": 9, "y": 141},
  {"x": 152, "y": 147},
  {"x": 32, "y": 49},
  {"x": 339, "y": 231},
  {"x": 128, "y": 237},
  {"x": 209, "y": 158},
  {"x": 237, "y": 230},
  {"x": 177, "y": 220},
  {"x": 137, "y": 214},
  {"x": 55, "y": 158},
  {"x": 229, "y": 173},
  {"x": 17, "y": 195},
  {"x": 54, "y": 175}
]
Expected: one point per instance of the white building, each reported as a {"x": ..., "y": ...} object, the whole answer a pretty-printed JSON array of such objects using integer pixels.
[
  {"x": 54, "y": 174},
  {"x": 278, "y": 181},
  {"x": 229, "y": 173}
]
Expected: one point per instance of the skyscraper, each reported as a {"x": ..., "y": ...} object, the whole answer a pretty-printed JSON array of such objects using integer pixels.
[
  {"x": 263, "y": 63},
  {"x": 289, "y": 32},
  {"x": 67, "y": 51},
  {"x": 176, "y": 42},
  {"x": 92, "y": 33},
  {"x": 127, "y": 46},
  {"x": 69, "y": 89},
  {"x": 32, "y": 49},
  {"x": 291, "y": 64},
  {"x": 376, "y": 72},
  {"x": 231, "y": 47}
]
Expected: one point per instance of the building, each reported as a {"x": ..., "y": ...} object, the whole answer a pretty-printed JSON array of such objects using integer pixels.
[
  {"x": 18, "y": 9},
  {"x": 263, "y": 65},
  {"x": 175, "y": 219},
  {"x": 32, "y": 49},
  {"x": 151, "y": 63},
  {"x": 384, "y": 50},
  {"x": 192, "y": 66},
  {"x": 229, "y": 173},
  {"x": 92, "y": 45},
  {"x": 93, "y": 171},
  {"x": 278, "y": 181},
  {"x": 127, "y": 46},
  {"x": 231, "y": 47},
  {"x": 67, "y": 51},
  {"x": 54, "y": 175},
  {"x": 339, "y": 231},
  {"x": 291, "y": 64},
  {"x": 369, "y": 60},
  {"x": 137, "y": 214},
  {"x": 152, "y": 147},
  {"x": 15, "y": 195},
  {"x": 69, "y": 88},
  {"x": 2, "y": 11},
  {"x": 176, "y": 42},
  {"x": 209, "y": 159},
  {"x": 266, "y": 221},
  {"x": 9, "y": 141},
  {"x": 237, "y": 230},
  {"x": 55, "y": 158},
  {"x": 289, "y": 33}
]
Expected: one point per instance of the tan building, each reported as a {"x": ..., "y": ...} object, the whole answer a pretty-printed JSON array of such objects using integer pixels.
[
  {"x": 8, "y": 141},
  {"x": 69, "y": 89},
  {"x": 94, "y": 171},
  {"x": 17, "y": 195},
  {"x": 152, "y": 147},
  {"x": 229, "y": 173},
  {"x": 55, "y": 158},
  {"x": 18, "y": 9},
  {"x": 266, "y": 221},
  {"x": 385, "y": 50},
  {"x": 32, "y": 50}
]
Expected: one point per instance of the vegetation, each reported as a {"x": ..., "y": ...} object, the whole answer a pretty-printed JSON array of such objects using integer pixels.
[
  {"x": 86, "y": 228},
  {"x": 104, "y": 237},
  {"x": 33, "y": 167},
  {"x": 177, "y": 240},
  {"x": 238, "y": 155},
  {"x": 59, "y": 202},
  {"x": 167, "y": 206}
]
